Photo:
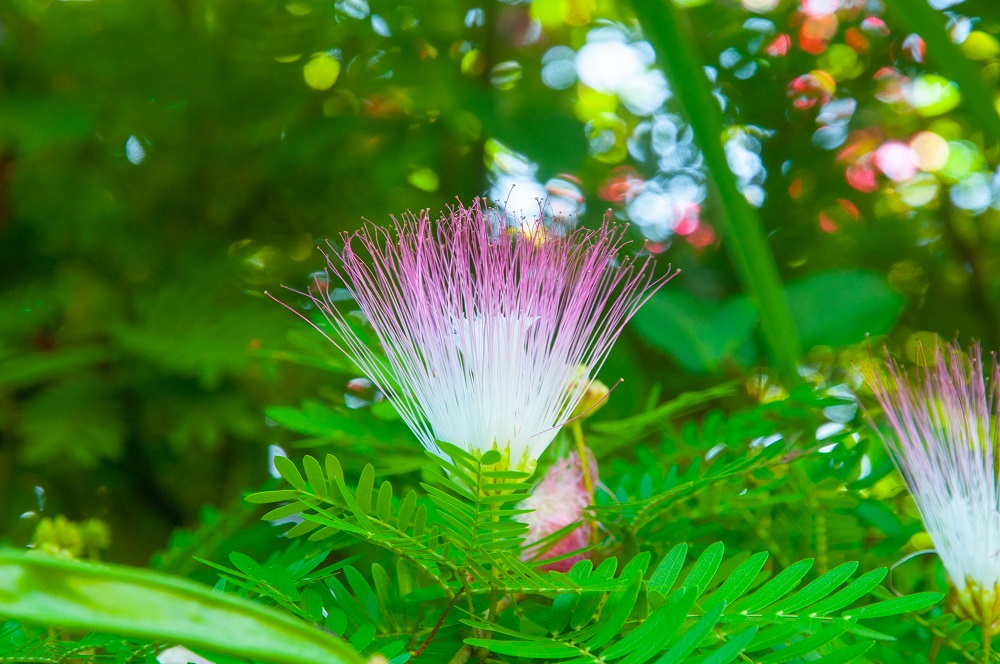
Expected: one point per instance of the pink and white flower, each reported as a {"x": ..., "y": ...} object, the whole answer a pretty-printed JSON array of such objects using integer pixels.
[
  {"x": 484, "y": 329},
  {"x": 944, "y": 442},
  {"x": 557, "y": 501}
]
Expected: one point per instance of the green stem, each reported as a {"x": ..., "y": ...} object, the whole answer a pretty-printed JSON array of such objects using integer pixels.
[
  {"x": 588, "y": 482},
  {"x": 668, "y": 30},
  {"x": 581, "y": 451},
  {"x": 463, "y": 655}
]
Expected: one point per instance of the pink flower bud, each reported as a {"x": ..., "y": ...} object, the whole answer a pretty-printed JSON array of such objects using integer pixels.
[{"x": 557, "y": 501}]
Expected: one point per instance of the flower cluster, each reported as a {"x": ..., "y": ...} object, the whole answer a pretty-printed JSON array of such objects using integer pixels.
[
  {"x": 944, "y": 443},
  {"x": 485, "y": 330}
]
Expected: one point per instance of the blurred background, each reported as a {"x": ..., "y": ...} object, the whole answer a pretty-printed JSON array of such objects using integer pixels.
[{"x": 163, "y": 163}]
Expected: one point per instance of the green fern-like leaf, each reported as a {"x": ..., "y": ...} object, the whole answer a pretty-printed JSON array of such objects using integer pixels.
[
  {"x": 778, "y": 620},
  {"x": 464, "y": 528}
]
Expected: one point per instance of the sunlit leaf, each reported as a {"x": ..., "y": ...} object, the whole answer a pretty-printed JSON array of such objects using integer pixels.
[{"x": 110, "y": 598}]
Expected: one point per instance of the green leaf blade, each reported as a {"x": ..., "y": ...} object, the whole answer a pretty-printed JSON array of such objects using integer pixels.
[{"x": 149, "y": 605}]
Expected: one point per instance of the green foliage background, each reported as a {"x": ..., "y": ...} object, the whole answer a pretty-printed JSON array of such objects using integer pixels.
[{"x": 164, "y": 163}]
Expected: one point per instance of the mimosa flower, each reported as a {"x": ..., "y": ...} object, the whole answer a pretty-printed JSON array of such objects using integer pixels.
[
  {"x": 484, "y": 329},
  {"x": 944, "y": 442},
  {"x": 557, "y": 501}
]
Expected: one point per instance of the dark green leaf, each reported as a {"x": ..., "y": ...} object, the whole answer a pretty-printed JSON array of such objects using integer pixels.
[
  {"x": 865, "y": 305},
  {"x": 699, "y": 334}
]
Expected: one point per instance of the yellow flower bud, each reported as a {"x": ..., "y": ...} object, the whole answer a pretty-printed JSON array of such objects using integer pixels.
[
  {"x": 63, "y": 537},
  {"x": 593, "y": 400}
]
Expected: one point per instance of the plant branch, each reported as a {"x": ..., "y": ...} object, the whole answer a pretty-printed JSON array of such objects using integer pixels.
[{"x": 444, "y": 614}]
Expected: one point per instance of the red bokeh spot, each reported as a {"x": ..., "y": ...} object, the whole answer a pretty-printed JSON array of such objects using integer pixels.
[
  {"x": 385, "y": 106},
  {"x": 809, "y": 89},
  {"x": 701, "y": 237},
  {"x": 687, "y": 219},
  {"x": 827, "y": 224},
  {"x": 816, "y": 32},
  {"x": 779, "y": 46},
  {"x": 811, "y": 45},
  {"x": 856, "y": 40},
  {"x": 795, "y": 188},
  {"x": 623, "y": 182},
  {"x": 861, "y": 175},
  {"x": 850, "y": 208}
]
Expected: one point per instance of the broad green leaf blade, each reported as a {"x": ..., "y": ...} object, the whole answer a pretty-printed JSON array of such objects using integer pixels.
[
  {"x": 589, "y": 601},
  {"x": 149, "y": 605},
  {"x": 666, "y": 572},
  {"x": 694, "y": 636},
  {"x": 287, "y": 469},
  {"x": 699, "y": 334},
  {"x": 656, "y": 631},
  {"x": 264, "y": 497},
  {"x": 770, "y": 636},
  {"x": 857, "y": 589},
  {"x": 894, "y": 606},
  {"x": 705, "y": 568},
  {"x": 865, "y": 305},
  {"x": 740, "y": 579},
  {"x": 865, "y": 632},
  {"x": 777, "y": 587},
  {"x": 803, "y": 647},
  {"x": 844, "y": 655},
  {"x": 616, "y": 611},
  {"x": 732, "y": 648},
  {"x": 818, "y": 589},
  {"x": 532, "y": 649},
  {"x": 564, "y": 603},
  {"x": 365, "y": 485},
  {"x": 743, "y": 233},
  {"x": 314, "y": 473},
  {"x": 364, "y": 594}
]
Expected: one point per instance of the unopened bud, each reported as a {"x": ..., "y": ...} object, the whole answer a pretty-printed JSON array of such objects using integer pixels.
[
  {"x": 63, "y": 537},
  {"x": 59, "y": 536},
  {"x": 593, "y": 399}
]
